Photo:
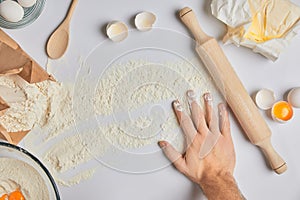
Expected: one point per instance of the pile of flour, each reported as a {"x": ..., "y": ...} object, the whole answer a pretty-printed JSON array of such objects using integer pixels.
[{"x": 46, "y": 105}]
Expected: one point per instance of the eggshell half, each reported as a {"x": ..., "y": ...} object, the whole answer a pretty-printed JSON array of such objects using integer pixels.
[
  {"x": 294, "y": 97},
  {"x": 116, "y": 31},
  {"x": 265, "y": 99},
  {"x": 144, "y": 21}
]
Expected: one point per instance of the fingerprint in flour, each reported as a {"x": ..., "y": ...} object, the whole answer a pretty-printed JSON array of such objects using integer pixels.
[{"x": 144, "y": 95}]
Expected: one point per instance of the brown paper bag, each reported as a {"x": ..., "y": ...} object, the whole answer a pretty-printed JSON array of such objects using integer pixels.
[
  {"x": 12, "y": 57},
  {"x": 13, "y": 60},
  {"x": 3, "y": 106}
]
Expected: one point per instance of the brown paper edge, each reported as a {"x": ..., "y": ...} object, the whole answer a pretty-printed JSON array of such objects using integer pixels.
[{"x": 32, "y": 72}]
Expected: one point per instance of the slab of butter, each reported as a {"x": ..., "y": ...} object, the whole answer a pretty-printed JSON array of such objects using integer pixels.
[{"x": 265, "y": 26}]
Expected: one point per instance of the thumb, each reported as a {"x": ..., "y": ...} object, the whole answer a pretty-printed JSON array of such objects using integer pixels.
[{"x": 173, "y": 155}]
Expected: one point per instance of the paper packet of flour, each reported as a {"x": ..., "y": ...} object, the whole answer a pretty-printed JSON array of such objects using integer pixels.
[
  {"x": 13, "y": 60},
  {"x": 265, "y": 26},
  {"x": 3, "y": 106}
]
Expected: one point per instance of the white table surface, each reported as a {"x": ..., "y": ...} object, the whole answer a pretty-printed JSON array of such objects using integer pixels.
[{"x": 255, "y": 179}]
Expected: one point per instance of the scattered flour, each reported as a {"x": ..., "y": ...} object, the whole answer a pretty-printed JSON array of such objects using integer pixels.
[
  {"x": 120, "y": 138},
  {"x": 75, "y": 150},
  {"x": 68, "y": 154},
  {"x": 136, "y": 83},
  {"x": 138, "y": 95},
  {"x": 82, "y": 176},
  {"x": 131, "y": 102}
]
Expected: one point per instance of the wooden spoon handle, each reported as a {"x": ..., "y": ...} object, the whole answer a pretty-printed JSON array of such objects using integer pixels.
[{"x": 71, "y": 11}]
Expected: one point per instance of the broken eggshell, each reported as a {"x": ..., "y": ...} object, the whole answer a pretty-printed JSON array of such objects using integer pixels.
[
  {"x": 144, "y": 21},
  {"x": 294, "y": 97},
  {"x": 116, "y": 31},
  {"x": 265, "y": 99}
]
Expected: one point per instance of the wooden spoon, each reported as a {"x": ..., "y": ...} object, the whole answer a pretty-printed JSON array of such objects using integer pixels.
[{"x": 59, "y": 40}]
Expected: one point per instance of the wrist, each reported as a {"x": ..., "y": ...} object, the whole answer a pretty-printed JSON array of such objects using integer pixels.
[
  {"x": 216, "y": 177},
  {"x": 220, "y": 185}
]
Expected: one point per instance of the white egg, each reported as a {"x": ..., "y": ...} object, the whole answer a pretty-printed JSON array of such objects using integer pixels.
[
  {"x": 11, "y": 11},
  {"x": 294, "y": 97},
  {"x": 26, "y": 3},
  {"x": 265, "y": 99}
]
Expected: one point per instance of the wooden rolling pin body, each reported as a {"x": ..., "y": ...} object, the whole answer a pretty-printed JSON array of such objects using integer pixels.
[{"x": 233, "y": 90}]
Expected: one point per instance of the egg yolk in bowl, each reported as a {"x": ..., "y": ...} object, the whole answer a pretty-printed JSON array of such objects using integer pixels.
[{"x": 16, "y": 195}]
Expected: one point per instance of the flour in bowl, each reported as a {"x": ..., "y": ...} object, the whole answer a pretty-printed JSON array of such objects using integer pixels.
[{"x": 18, "y": 175}]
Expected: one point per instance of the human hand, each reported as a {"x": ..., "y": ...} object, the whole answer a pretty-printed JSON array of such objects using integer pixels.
[{"x": 201, "y": 131}]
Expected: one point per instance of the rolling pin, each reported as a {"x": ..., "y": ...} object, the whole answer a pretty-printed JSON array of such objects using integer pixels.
[{"x": 233, "y": 90}]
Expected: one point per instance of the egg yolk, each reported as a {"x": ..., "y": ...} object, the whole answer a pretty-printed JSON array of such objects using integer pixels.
[
  {"x": 4, "y": 197},
  {"x": 16, "y": 195},
  {"x": 283, "y": 111}
]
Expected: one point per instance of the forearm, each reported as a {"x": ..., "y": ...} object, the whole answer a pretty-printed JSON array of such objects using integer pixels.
[{"x": 221, "y": 187}]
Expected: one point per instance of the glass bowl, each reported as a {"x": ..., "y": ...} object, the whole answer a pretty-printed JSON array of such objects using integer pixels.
[
  {"x": 11, "y": 151},
  {"x": 30, "y": 15}
]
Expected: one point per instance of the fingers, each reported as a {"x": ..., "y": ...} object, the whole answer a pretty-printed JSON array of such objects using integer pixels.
[
  {"x": 208, "y": 107},
  {"x": 198, "y": 116},
  {"x": 211, "y": 118},
  {"x": 178, "y": 109},
  {"x": 224, "y": 120},
  {"x": 174, "y": 156},
  {"x": 185, "y": 122}
]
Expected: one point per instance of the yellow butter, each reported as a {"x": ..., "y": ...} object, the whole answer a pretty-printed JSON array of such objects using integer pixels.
[{"x": 271, "y": 19}]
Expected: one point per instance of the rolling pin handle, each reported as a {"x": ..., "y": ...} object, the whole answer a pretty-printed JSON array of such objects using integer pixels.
[
  {"x": 189, "y": 19},
  {"x": 276, "y": 162}
]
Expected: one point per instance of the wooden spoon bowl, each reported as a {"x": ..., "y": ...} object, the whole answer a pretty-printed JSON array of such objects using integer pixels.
[{"x": 59, "y": 40}]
